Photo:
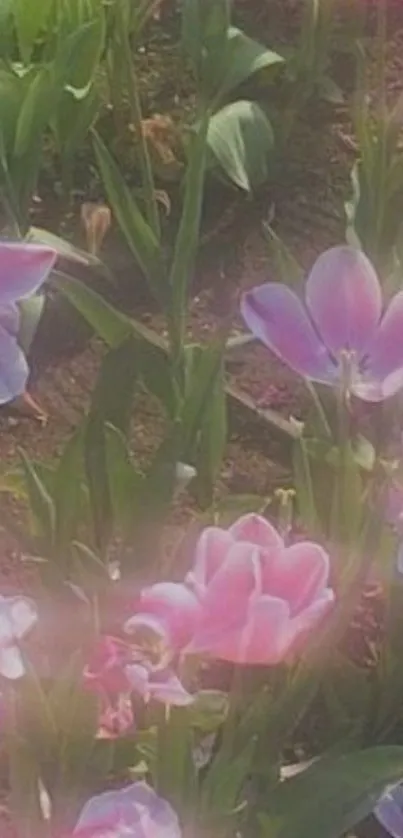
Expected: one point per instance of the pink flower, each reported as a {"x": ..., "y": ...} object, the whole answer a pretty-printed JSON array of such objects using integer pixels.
[
  {"x": 169, "y": 611},
  {"x": 341, "y": 332},
  {"x": 259, "y": 598},
  {"x": 118, "y": 670},
  {"x": 23, "y": 269},
  {"x": 132, "y": 812}
]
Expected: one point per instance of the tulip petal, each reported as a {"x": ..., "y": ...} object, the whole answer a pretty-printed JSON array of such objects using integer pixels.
[
  {"x": 298, "y": 574},
  {"x": 11, "y": 663},
  {"x": 23, "y": 615},
  {"x": 389, "y": 811},
  {"x": 227, "y": 598},
  {"x": 384, "y": 364},
  {"x": 10, "y": 319},
  {"x": 13, "y": 368},
  {"x": 173, "y": 606},
  {"x": 344, "y": 298},
  {"x": 166, "y": 687},
  {"x": 264, "y": 639},
  {"x": 256, "y": 530},
  {"x": 211, "y": 550},
  {"x": 307, "y": 620},
  {"x": 259, "y": 640},
  {"x": 277, "y": 317},
  {"x": 23, "y": 269},
  {"x": 134, "y": 811}
]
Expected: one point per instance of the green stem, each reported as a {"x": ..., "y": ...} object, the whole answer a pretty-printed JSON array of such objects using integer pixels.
[
  {"x": 382, "y": 127},
  {"x": 136, "y": 116},
  {"x": 322, "y": 418}
]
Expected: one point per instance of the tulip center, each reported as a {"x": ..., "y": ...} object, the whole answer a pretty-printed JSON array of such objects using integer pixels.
[
  {"x": 148, "y": 645},
  {"x": 349, "y": 370}
]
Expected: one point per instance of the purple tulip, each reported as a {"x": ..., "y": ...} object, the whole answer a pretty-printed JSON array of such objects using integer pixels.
[
  {"x": 23, "y": 269},
  {"x": 341, "y": 333},
  {"x": 132, "y": 812},
  {"x": 389, "y": 811}
]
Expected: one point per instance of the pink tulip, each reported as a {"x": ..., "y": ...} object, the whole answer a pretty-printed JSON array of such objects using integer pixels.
[
  {"x": 259, "y": 599},
  {"x": 132, "y": 812},
  {"x": 169, "y": 612},
  {"x": 341, "y": 332}
]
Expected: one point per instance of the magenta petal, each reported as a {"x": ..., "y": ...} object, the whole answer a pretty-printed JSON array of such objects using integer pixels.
[
  {"x": 344, "y": 298},
  {"x": 256, "y": 530},
  {"x": 13, "y": 368},
  {"x": 23, "y": 269},
  {"x": 277, "y": 317}
]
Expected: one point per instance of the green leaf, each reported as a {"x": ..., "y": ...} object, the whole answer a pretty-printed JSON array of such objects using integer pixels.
[
  {"x": 240, "y": 138},
  {"x": 188, "y": 234},
  {"x": 330, "y": 797},
  {"x": 137, "y": 232},
  {"x": 209, "y": 710},
  {"x": 31, "y": 311},
  {"x": 202, "y": 377},
  {"x": 41, "y": 503},
  {"x": 225, "y": 780},
  {"x": 112, "y": 326},
  {"x": 64, "y": 248},
  {"x": 125, "y": 481},
  {"x": 111, "y": 404},
  {"x": 244, "y": 58},
  {"x": 68, "y": 491},
  {"x": 156, "y": 374},
  {"x": 176, "y": 777},
  {"x": 205, "y": 25},
  {"x": 213, "y": 438},
  {"x": 30, "y": 18}
]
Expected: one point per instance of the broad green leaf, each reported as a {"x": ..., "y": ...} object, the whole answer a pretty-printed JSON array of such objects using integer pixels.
[
  {"x": 244, "y": 58},
  {"x": 330, "y": 797},
  {"x": 34, "y": 113},
  {"x": 225, "y": 780},
  {"x": 202, "y": 379},
  {"x": 240, "y": 138},
  {"x": 30, "y": 18},
  {"x": 64, "y": 248},
  {"x": 176, "y": 774},
  {"x": 137, "y": 232},
  {"x": 112, "y": 326},
  {"x": 125, "y": 481},
  {"x": 156, "y": 374},
  {"x": 205, "y": 25},
  {"x": 31, "y": 311}
]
